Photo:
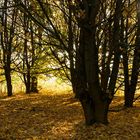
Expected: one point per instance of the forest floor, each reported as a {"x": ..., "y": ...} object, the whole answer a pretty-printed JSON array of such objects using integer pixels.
[{"x": 58, "y": 116}]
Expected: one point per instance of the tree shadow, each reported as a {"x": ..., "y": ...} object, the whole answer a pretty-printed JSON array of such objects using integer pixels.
[
  {"x": 123, "y": 124},
  {"x": 38, "y": 116},
  {"x": 61, "y": 117}
]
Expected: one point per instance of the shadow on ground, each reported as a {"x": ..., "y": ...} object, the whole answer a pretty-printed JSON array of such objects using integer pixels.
[
  {"x": 59, "y": 116},
  {"x": 38, "y": 116}
]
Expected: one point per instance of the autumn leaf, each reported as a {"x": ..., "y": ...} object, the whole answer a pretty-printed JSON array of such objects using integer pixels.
[{"x": 53, "y": 115}]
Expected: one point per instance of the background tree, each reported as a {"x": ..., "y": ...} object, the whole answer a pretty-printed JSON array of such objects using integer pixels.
[
  {"x": 8, "y": 19},
  {"x": 136, "y": 63}
]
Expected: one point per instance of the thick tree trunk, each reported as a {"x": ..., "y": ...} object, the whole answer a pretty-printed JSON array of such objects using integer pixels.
[
  {"x": 126, "y": 81},
  {"x": 88, "y": 108},
  {"x": 8, "y": 80},
  {"x": 129, "y": 99},
  {"x": 7, "y": 70},
  {"x": 34, "y": 84},
  {"x": 73, "y": 82},
  {"x": 129, "y": 95},
  {"x": 28, "y": 84},
  {"x": 136, "y": 64},
  {"x": 95, "y": 111},
  {"x": 87, "y": 86},
  {"x": 6, "y": 44},
  {"x": 101, "y": 112},
  {"x": 71, "y": 48},
  {"x": 124, "y": 37}
]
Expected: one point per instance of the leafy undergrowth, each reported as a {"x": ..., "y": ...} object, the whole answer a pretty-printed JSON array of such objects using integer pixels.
[{"x": 59, "y": 116}]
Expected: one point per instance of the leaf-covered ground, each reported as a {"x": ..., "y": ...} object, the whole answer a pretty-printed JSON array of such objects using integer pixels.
[{"x": 59, "y": 116}]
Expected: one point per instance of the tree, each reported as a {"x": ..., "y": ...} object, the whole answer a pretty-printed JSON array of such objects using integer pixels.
[
  {"x": 86, "y": 42},
  {"x": 7, "y": 35},
  {"x": 31, "y": 51},
  {"x": 129, "y": 41},
  {"x": 129, "y": 96},
  {"x": 84, "y": 65}
]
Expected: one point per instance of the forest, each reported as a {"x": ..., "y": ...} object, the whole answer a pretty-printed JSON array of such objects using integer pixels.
[{"x": 69, "y": 69}]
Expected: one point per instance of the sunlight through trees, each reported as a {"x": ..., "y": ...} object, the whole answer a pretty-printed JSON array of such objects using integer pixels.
[{"x": 92, "y": 45}]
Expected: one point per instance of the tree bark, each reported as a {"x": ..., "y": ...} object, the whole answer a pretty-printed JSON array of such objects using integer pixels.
[
  {"x": 28, "y": 84},
  {"x": 26, "y": 63},
  {"x": 34, "y": 84},
  {"x": 88, "y": 87},
  {"x": 8, "y": 80},
  {"x": 94, "y": 99},
  {"x": 6, "y": 43},
  {"x": 136, "y": 64}
]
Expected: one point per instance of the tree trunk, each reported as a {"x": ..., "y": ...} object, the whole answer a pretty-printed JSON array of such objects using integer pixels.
[
  {"x": 6, "y": 44},
  {"x": 129, "y": 96},
  {"x": 8, "y": 80},
  {"x": 28, "y": 84},
  {"x": 34, "y": 84},
  {"x": 126, "y": 80},
  {"x": 88, "y": 88},
  {"x": 71, "y": 47},
  {"x": 129, "y": 99},
  {"x": 136, "y": 64},
  {"x": 95, "y": 111},
  {"x": 73, "y": 82}
]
